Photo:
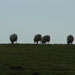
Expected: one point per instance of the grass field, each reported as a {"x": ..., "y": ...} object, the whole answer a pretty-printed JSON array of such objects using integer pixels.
[{"x": 29, "y": 59}]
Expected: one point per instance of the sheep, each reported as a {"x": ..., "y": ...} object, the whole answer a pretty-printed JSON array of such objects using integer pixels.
[
  {"x": 37, "y": 38},
  {"x": 70, "y": 39},
  {"x": 13, "y": 38},
  {"x": 45, "y": 39}
]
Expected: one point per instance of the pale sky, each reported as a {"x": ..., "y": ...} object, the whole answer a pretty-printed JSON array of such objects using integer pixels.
[{"x": 29, "y": 17}]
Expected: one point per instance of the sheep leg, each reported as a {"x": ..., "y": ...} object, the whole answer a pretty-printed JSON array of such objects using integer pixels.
[
  {"x": 12, "y": 42},
  {"x": 48, "y": 42},
  {"x": 37, "y": 42}
]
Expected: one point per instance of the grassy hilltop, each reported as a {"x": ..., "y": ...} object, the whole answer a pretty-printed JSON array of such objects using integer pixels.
[{"x": 27, "y": 59}]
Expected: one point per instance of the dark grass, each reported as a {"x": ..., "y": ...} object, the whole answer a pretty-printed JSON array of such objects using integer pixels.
[{"x": 31, "y": 59}]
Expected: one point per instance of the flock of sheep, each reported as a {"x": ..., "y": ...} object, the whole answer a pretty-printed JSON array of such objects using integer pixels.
[{"x": 39, "y": 38}]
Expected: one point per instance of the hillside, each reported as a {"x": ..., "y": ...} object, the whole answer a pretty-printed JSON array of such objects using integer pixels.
[{"x": 30, "y": 59}]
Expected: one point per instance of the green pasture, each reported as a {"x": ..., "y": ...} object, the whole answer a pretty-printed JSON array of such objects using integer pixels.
[{"x": 32, "y": 59}]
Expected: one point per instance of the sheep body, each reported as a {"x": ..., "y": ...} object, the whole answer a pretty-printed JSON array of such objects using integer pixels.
[
  {"x": 45, "y": 39},
  {"x": 37, "y": 38},
  {"x": 13, "y": 38},
  {"x": 70, "y": 39}
]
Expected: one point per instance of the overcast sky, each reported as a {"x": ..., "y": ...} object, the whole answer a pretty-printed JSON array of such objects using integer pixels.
[{"x": 29, "y": 17}]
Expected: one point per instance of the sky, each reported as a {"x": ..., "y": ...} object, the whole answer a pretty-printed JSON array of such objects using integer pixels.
[{"x": 27, "y": 18}]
